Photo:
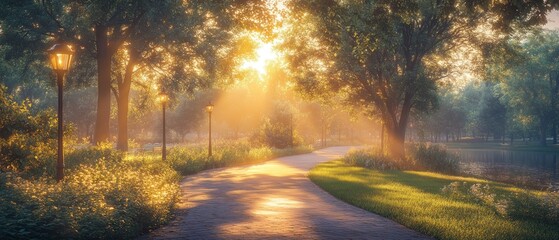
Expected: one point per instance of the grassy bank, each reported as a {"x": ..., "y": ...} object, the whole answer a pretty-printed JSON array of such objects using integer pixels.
[{"x": 416, "y": 200}]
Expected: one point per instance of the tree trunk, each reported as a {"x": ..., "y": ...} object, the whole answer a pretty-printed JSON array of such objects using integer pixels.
[
  {"x": 102, "y": 130},
  {"x": 396, "y": 139},
  {"x": 123, "y": 104},
  {"x": 122, "y": 115},
  {"x": 382, "y": 139}
]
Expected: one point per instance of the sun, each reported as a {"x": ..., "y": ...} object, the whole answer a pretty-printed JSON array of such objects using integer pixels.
[{"x": 264, "y": 54}]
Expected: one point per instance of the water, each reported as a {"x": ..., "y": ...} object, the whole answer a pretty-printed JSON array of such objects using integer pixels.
[{"x": 537, "y": 170}]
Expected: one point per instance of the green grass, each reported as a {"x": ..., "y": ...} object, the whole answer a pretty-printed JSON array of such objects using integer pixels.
[
  {"x": 517, "y": 146},
  {"x": 415, "y": 200}
]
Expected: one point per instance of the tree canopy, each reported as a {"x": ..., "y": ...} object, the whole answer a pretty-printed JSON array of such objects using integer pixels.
[{"x": 385, "y": 56}]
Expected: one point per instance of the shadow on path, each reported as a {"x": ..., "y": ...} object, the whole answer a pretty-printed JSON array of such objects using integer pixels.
[{"x": 273, "y": 200}]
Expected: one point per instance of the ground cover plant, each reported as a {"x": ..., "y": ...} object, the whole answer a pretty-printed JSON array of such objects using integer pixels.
[
  {"x": 192, "y": 159},
  {"x": 105, "y": 199},
  {"x": 417, "y": 200}
]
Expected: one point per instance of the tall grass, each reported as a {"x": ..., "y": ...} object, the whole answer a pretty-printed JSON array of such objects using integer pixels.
[
  {"x": 420, "y": 157},
  {"x": 192, "y": 159}
]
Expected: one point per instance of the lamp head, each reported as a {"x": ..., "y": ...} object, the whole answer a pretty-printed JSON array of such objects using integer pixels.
[
  {"x": 162, "y": 97},
  {"x": 61, "y": 55},
  {"x": 209, "y": 107}
]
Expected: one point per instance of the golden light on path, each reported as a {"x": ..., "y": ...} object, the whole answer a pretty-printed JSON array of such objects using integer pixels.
[{"x": 265, "y": 53}]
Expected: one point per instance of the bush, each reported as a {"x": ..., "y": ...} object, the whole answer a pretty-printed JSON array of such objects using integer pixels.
[
  {"x": 522, "y": 205},
  {"x": 370, "y": 158},
  {"x": 434, "y": 158},
  {"x": 100, "y": 201},
  {"x": 91, "y": 155},
  {"x": 420, "y": 157},
  {"x": 277, "y": 130},
  {"x": 27, "y": 140},
  {"x": 543, "y": 207}
]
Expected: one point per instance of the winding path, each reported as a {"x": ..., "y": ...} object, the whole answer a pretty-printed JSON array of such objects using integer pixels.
[{"x": 272, "y": 200}]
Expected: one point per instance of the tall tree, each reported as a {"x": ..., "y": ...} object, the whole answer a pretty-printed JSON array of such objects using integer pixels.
[
  {"x": 384, "y": 54},
  {"x": 95, "y": 27},
  {"x": 532, "y": 87},
  {"x": 183, "y": 40},
  {"x": 493, "y": 113},
  {"x": 189, "y": 45}
]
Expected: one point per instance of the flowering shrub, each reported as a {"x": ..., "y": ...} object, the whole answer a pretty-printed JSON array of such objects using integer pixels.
[
  {"x": 103, "y": 200},
  {"x": 522, "y": 205}
]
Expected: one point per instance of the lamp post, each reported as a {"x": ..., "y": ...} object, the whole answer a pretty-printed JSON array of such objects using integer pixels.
[
  {"x": 209, "y": 109},
  {"x": 163, "y": 98},
  {"x": 60, "y": 58},
  {"x": 291, "y": 130}
]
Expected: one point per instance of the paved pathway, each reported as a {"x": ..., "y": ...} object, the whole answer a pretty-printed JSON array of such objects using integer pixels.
[{"x": 273, "y": 200}]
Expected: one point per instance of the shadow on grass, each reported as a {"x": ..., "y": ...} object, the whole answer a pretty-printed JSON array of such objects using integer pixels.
[{"x": 415, "y": 199}]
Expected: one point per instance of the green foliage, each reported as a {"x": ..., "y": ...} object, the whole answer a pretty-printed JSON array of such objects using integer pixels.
[
  {"x": 493, "y": 113},
  {"x": 434, "y": 157},
  {"x": 192, "y": 159},
  {"x": 518, "y": 205},
  {"x": 530, "y": 89},
  {"x": 27, "y": 141},
  {"x": 420, "y": 157},
  {"x": 278, "y": 129},
  {"x": 370, "y": 158},
  {"x": 104, "y": 200},
  {"x": 91, "y": 155}
]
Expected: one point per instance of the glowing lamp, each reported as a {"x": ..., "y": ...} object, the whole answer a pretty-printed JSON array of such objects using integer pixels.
[
  {"x": 61, "y": 57},
  {"x": 209, "y": 107},
  {"x": 162, "y": 97}
]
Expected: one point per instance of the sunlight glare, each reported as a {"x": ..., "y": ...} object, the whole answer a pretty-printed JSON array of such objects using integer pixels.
[{"x": 264, "y": 54}]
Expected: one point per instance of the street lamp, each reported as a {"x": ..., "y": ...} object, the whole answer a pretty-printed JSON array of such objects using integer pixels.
[
  {"x": 163, "y": 98},
  {"x": 60, "y": 58},
  {"x": 209, "y": 109}
]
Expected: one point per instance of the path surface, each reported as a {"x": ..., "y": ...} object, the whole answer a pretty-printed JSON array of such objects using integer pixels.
[{"x": 273, "y": 200}]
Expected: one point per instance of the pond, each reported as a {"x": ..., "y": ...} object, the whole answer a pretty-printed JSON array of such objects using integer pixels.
[{"x": 537, "y": 170}]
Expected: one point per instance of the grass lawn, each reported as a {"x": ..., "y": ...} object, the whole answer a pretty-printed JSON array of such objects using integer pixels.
[{"x": 415, "y": 200}]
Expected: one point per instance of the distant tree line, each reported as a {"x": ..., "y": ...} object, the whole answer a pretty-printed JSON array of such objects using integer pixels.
[{"x": 517, "y": 100}]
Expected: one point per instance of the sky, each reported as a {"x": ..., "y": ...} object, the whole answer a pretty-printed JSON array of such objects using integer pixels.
[{"x": 553, "y": 20}]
